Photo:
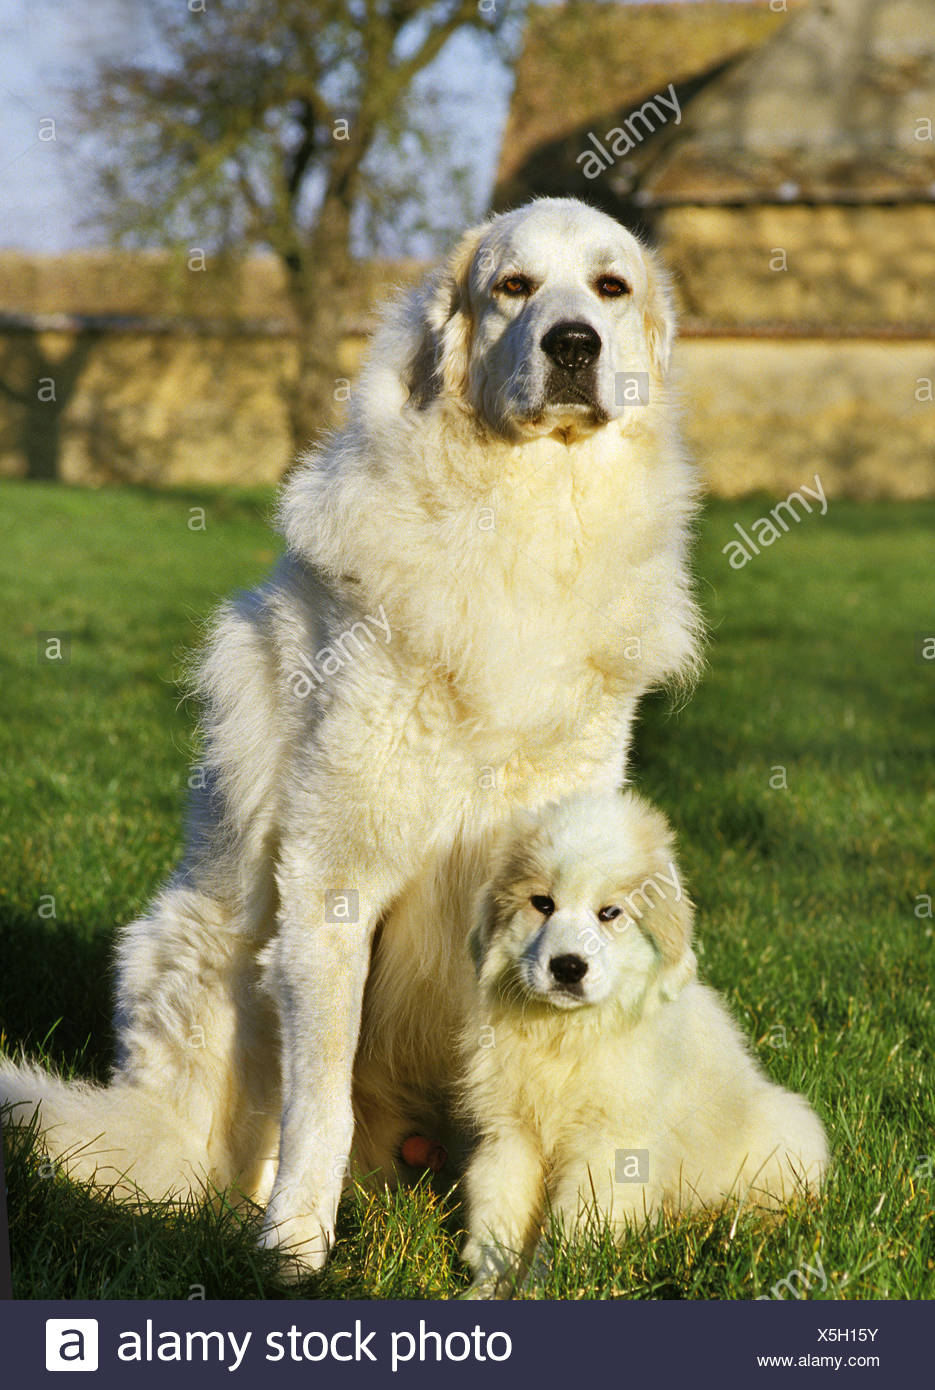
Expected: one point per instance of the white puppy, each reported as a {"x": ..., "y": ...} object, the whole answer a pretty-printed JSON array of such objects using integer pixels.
[
  {"x": 486, "y": 569},
  {"x": 601, "y": 1076}
]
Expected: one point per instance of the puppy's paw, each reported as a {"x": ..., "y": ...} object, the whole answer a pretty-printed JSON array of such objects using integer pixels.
[
  {"x": 305, "y": 1239},
  {"x": 494, "y": 1270}
]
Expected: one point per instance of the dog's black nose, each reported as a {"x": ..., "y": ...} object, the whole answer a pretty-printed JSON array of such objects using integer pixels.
[
  {"x": 571, "y": 345},
  {"x": 568, "y": 970}
]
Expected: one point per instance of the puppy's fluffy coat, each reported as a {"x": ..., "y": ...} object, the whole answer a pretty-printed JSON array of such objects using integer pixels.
[{"x": 592, "y": 1038}]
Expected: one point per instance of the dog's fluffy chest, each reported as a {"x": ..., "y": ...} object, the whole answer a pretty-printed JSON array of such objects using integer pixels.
[
  {"x": 528, "y": 582},
  {"x": 609, "y": 1077}
]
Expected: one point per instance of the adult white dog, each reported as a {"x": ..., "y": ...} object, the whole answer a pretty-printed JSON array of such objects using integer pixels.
[
  {"x": 602, "y": 1078},
  {"x": 485, "y": 570}
]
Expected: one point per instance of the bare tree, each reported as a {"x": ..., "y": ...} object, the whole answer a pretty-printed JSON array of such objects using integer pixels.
[{"x": 266, "y": 126}]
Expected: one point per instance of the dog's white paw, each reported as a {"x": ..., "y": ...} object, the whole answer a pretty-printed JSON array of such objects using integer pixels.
[
  {"x": 494, "y": 1271},
  {"x": 305, "y": 1239}
]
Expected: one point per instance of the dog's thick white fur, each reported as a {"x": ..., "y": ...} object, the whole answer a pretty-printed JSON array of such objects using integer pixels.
[
  {"x": 485, "y": 570},
  {"x": 603, "y": 1079}
]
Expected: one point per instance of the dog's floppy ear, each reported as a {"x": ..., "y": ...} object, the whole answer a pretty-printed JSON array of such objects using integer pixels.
[
  {"x": 675, "y": 977},
  {"x": 658, "y": 314},
  {"x": 440, "y": 360},
  {"x": 670, "y": 923}
]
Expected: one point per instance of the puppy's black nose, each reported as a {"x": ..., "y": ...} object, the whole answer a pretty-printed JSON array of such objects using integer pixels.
[
  {"x": 571, "y": 345},
  {"x": 568, "y": 970}
]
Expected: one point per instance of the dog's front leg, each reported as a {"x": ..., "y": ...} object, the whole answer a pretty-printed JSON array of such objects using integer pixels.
[
  {"x": 504, "y": 1184},
  {"x": 317, "y": 971}
]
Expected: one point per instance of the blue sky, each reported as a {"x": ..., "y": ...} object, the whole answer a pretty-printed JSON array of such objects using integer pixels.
[
  {"x": 44, "y": 183},
  {"x": 46, "y": 46}
]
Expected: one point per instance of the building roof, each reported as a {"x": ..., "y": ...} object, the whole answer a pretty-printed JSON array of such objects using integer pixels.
[
  {"x": 832, "y": 102},
  {"x": 586, "y": 65},
  {"x": 836, "y": 106}
]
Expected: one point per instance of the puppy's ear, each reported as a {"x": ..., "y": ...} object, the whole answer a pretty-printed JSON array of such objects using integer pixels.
[
  {"x": 440, "y": 360},
  {"x": 670, "y": 923},
  {"x": 659, "y": 314},
  {"x": 675, "y": 977}
]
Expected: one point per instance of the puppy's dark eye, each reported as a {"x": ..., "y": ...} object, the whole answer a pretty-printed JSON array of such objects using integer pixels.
[
  {"x": 611, "y": 286},
  {"x": 516, "y": 286},
  {"x": 607, "y": 914},
  {"x": 542, "y": 904}
]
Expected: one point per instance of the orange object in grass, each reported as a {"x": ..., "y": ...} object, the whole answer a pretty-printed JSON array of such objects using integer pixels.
[{"x": 420, "y": 1152}]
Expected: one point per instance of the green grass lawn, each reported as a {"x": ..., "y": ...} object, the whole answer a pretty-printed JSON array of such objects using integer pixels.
[{"x": 810, "y": 891}]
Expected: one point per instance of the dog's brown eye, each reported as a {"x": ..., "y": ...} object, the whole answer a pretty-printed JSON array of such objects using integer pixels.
[
  {"x": 516, "y": 286},
  {"x": 542, "y": 904},
  {"x": 607, "y": 914},
  {"x": 611, "y": 287}
]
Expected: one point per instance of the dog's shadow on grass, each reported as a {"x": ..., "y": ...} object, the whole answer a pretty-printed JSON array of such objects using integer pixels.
[
  {"x": 70, "y": 1240},
  {"x": 56, "y": 995}
]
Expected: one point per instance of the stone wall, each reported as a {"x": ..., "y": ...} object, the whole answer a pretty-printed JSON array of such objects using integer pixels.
[
  {"x": 768, "y": 413},
  {"x": 853, "y": 266},
  {"x": 156, "y": 408},
  {"x": 760, "y": 412}
]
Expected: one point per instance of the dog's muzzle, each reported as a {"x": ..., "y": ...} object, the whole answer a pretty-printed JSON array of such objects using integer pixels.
[{"x": 573, "y": 349}]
